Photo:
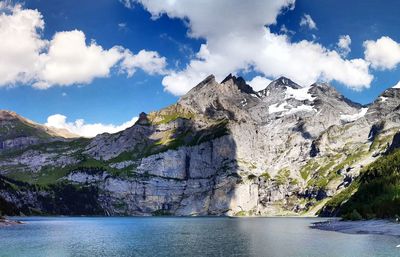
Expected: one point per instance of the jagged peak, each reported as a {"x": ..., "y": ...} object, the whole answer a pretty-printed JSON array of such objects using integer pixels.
[
  {"x": 210, "y": 79},
  {"x": 229, "y": 77},
  {"x": 279, "y": 85},
  {"x": 143, "y": 119},
  {"x": 389, "y": 93},
  {"x": 240, "y": 83},
  {"x": 284, "y": 82},
  {"x": 327, "y": 90},
  {"x": 323, "y": 87}
]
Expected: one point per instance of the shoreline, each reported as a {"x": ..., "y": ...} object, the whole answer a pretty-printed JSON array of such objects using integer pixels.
[
  {"x": 377, "y": 227},
  {"x": 7, "y": 222}
]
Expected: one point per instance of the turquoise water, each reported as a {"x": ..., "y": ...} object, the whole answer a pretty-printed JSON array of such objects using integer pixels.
[{"x": 83, "y": 236}]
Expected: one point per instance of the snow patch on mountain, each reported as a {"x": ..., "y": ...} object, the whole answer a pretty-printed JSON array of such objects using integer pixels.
[
  {"x": 397, "y": 85},
  {"x": 300, "y": 94},
  {"x": 354, "y": 117},
  {"x": 301, "y": 108},
  {"x": 277, "y": 107}
]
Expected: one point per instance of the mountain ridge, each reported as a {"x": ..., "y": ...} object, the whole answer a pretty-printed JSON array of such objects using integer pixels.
[{"x": 222, "y": 149}]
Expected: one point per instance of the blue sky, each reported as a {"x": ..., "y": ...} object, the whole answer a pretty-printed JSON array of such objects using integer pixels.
[{"x": 177, "y": 35}]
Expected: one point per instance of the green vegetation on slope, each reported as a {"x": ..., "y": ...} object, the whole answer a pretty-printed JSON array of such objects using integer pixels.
[
  {"x": 57, "y": 199},
  {"x": 176, "y": 139},
  {"x": 51, "y": 175},
  {"x": 375, "y": 194},
  {"x": 48, "y": 175},
  {"x": 169, "y": 114},
  {"x": 329, "y": 168},
  {"x": 283, "y": 177},
  {"x": 17, "y": 128}
]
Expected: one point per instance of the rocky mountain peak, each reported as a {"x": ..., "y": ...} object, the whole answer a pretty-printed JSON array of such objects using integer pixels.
[
  {"x": 393, "y": 92},
  {"x": 387, "y": 104},
  {"x": 324, "y": 88},
  {"x": 239, "y": 82},
  {"x": 206, "y": 82},
  {"x": 8, "y": 115},
  {"x": 284, "y": 82},
  {"x": 324, "y": 91},
  {"x": 278, "y": 87},
  {"x": 15, "y": 126},
  {"x": 143, "y": 119}
]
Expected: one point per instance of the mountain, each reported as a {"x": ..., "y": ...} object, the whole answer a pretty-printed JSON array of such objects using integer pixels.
[
  {"x": 18, "y": 132},
  {"x": 222, "y": 149}
]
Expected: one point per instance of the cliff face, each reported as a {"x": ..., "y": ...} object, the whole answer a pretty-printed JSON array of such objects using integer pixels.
[{"x": 222, "y": 149}]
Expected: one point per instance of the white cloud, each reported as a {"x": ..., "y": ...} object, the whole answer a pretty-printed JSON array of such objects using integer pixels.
[
  {"x": 287, "y": 31},
  {"x": 67, "y": 59},
  {"x": 307, "y": 21},
  {"x": 344, "y": 45},
  {"x": 383, "y": 53},
  {"x": 122, "y": 25},
  {"x": 127, "y": 3},
  {"x": 80, "y": 127},
  {"x": 249, "y": 45},
  {"x": 149, "y": 61},
  {"x": 20, "y": 43},
  {"x": 259, "y": 83}
]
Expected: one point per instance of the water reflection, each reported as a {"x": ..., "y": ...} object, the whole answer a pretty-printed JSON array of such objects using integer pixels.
[{"x": 186, "y": 237}]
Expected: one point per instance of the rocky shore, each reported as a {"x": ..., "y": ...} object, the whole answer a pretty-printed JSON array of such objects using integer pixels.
[
  {"x": 380, "y": 227},
  {"x": 7, "y": 222}
]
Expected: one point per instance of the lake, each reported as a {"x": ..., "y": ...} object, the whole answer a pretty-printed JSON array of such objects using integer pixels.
[{"x": 170, "y": 236}]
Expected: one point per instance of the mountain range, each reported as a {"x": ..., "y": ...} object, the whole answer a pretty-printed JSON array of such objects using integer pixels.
[{"x": 222, "y": 149}]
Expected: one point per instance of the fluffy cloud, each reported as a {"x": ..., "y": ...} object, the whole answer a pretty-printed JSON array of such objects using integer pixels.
[
  {"x": 383, "y": 53},
  {"x": 65, "y": 60},
  {"x": 69, "y": 60},
  {"x": 149, "y": 61},
  {"x": 20, "y": 44},
  {"x": 307, "y": 21},
  {"x": 80, "y": 127},
  {"x": 259, "y": 83},
  {"x": 344, "y": 45},
  {"x": 250, "y": 45}
]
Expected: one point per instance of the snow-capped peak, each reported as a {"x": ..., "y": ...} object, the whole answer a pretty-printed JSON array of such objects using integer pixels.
[
  {"x": 300, "y": 94},
  {"x": 397, "y": 86}
]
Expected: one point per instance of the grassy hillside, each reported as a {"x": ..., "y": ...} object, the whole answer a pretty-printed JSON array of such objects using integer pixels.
[
  {"x": 17, "y": 128},
  {"x": 375, "y": 194},
  {"x": 14, "y": 126}
]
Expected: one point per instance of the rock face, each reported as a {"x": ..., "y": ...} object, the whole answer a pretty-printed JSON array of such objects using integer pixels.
[{"x": 222, "y": 149}]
